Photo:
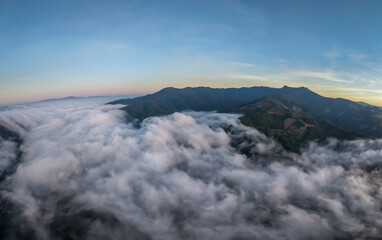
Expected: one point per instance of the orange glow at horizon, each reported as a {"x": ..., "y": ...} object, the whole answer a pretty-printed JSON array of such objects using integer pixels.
[{"x": 147, "y": 87}]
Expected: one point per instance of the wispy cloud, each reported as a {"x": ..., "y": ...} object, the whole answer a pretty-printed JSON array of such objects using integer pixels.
[
  {"x": 365, "y": 90},
  {"x": 281, "y": 60},
  {"x": 242, "y": 64},
  {"x": 354, "y": 56},
  {"x": 249, "y": 77},
  {"x": 327, "y": 76},
  {"x": 333, "y": 54},
  {"x": 357, "y": 57}
]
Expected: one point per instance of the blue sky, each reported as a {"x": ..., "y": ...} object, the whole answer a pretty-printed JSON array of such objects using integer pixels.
[{"x": 52, "y": 49}]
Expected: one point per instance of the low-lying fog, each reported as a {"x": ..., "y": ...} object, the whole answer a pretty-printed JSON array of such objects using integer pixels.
[{"x": 83, "y": 172}]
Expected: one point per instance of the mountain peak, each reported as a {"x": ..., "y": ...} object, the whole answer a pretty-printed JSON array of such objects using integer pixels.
[
  {"x": 342, "y": 113},
  {"x": 296, "y": 88}
]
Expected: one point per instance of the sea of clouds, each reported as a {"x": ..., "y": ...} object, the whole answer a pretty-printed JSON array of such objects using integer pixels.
[{"x": 83, "y": 172}]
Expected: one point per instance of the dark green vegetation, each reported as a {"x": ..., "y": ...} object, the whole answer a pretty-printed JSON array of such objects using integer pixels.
[
  {"x": 289, "y": 126},
  {"x": 170, "y": 100},
  {"x": 291, "y": 115},
  {"x": 344, "y": 113}
]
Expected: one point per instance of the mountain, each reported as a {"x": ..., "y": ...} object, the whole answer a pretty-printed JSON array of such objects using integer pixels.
[
  {"x": 344, "y": 113},
  {"x": 365, "y": 104},
  {"x": 61, "y": 99},
  {"x": 170, "y": 100},
  {"x": 313, "y": 116},
  {"x": 290, "y": 126}
]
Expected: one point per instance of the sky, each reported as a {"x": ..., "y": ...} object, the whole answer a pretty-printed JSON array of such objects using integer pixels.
[{"x": 52, "y": 49}]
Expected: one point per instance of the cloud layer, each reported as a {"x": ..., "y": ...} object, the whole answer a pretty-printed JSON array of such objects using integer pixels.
[{"x": 87, "y": 174}]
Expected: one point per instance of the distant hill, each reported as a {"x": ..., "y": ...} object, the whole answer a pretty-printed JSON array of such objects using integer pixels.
[
  {"x": 330, "y": 116},
  {"x": 77, "y": 98},
  {"x": 61, "y": 99}
]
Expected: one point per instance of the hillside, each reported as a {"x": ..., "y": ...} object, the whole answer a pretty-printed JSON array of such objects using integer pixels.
[
  {"x": 294, "y": 116},
  {"x": 289, "y": 126},
  {"x": 352, "y": 116},
  {"x": 363, "y": 119},
  {"x": 170, "y": 100}
]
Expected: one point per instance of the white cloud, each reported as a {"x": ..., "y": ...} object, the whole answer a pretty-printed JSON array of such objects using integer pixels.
[
  {"x": 327, "y": 76},
  {"x": 87, "y": 174},
  {"x": 242, "y": 64},
  {"x": 249, "y": 77}
]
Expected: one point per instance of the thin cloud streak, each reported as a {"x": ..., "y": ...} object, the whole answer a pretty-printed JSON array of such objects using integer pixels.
[
  {"x": 326, "y": 76},
  {"x": 242, "y": 64},
  {"x": 249, "y": 77}
]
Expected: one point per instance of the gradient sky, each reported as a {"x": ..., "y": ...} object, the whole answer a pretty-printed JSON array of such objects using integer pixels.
[{"x": 51, "y": 49}]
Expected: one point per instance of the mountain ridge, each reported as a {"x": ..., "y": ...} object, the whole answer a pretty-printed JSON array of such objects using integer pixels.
[{"x": 347, "y": 119}]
